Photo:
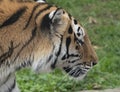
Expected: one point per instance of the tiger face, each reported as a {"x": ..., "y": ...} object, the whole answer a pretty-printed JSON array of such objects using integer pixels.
[{"x": 80, "y": 57}]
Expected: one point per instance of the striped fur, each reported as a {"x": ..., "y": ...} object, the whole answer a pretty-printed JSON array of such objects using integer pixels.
[{"x": 43, "y": 37}]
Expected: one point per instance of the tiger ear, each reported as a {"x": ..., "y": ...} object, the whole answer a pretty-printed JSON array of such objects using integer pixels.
[{"x": 56, "y": 16}]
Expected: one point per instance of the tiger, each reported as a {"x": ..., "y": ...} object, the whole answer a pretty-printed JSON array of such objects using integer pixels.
[{"x": 43, "y": 37}]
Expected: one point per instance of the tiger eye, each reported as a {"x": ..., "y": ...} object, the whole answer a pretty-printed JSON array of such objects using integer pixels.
[{"x": 77, "y": 48}]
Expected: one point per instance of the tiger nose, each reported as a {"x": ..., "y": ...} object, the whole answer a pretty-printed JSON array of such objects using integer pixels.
[{"x": 93, "y": 63}]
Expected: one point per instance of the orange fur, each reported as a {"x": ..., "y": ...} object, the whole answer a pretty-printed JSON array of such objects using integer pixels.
[{"x": 9, "y": 33}]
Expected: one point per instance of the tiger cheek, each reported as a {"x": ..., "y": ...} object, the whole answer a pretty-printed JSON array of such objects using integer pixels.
[{"x": 81, "y": 51}]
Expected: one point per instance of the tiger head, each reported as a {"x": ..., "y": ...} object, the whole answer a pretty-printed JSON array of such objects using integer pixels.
[{"x": 71, "y": 48}]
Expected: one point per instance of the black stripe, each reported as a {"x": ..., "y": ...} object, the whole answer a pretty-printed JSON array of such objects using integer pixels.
[
  {"x": 7, "y": 54},
  {"x": 48, "y": 7},
  {"x": 50, "y": 57},
  {"x": 73, "y": 55},
  {"x": 53, "y": 65},
  {"x": 34, "y": 9},
  {"x": 78, "y": 34},
  {"x": 67, "y": 69},
  {"x": 73, "y": 61},
  {"x": 80, "y": 41},
  {"x": 75, "y": 21},
  {"x": 78, "y": 29},
  {"x": 69, "y": 55},
  {"x": 64, "y": 57},
  {"x": 72, "y": 72},
  {"x": 6, "y": 79},
  {"x": 55, "y": 13},
  {"x": 68, "y": 41},
  {"x": 57, "y": 54},
  {"x": 12, "y": 19},
  {"x": 76, "y": 72},
  {"x": 77, "y": 40},
  {"x": 70, "y": 30},
  {"x": 45, "y": 24},
  {"x": 24, "y": 64},
  {"x": 27, "y": 43}
]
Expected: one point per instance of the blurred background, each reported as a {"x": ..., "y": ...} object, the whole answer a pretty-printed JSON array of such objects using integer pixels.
[{"x": 101, "y": 19}]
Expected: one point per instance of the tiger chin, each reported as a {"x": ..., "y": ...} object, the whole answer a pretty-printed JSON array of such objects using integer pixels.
[{"x": 43, "y": 37}]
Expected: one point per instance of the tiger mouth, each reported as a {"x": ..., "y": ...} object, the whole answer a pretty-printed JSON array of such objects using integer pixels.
[{"x": 77, "y": 71}]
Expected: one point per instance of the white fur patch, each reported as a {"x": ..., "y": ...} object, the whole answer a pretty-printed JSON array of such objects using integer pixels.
[
  {"x": 51, "y": 14},
  {"x": 41, "y": 1},
  {"x": 41, "y": 66},
  {"x": 41, "y": 63}
]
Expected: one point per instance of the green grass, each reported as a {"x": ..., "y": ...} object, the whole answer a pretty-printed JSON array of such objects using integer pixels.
[{"x": 105, "y": 34}]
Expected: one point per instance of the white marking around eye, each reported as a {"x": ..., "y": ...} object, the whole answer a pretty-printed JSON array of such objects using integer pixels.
[
  {"x": 75, "y": 29},
  {"x": 83, "y": 31}
]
